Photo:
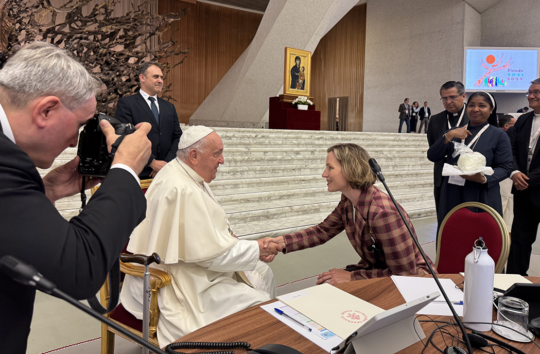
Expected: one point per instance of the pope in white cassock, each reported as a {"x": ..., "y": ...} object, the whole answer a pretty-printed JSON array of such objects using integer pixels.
[{"x": 214, "y": 274}]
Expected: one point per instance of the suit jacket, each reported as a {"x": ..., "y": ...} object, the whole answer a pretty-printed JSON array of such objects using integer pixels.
[
  {"x": 423, "y": 111},
  {"x": 75, "y": 255},
  {"x": 403, "y": 111},
  {"x": 377, "y": 217},
  {"x": 438, "y": 125},
  {"x": 520, "y": 148},
  {"x": 164, "y": 136}
]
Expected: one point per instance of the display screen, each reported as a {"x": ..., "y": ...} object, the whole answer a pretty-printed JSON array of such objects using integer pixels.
[{"x": 500, "y": 69}]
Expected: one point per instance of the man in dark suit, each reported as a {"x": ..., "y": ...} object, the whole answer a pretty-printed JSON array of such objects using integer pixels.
[
  {"x": 146, "y": 106},
  {"x": 526, "y": 189},
  {"x": 453, "y": 99},
  {"x": 405, "y": 115},
  {"x": 424, "y": 115},
  {"x": 45, "y": 97}
]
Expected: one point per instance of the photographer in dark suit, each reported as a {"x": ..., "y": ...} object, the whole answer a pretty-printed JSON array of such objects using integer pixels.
[
  {"x": 146, "y": 106},
  {"x": 526, "y": 179},
  {"x": 455, "y": 115},
  {"x": 45, "y": 97}
]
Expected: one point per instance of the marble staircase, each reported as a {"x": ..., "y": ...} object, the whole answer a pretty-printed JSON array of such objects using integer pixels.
[{"x": 271, "y": 181}]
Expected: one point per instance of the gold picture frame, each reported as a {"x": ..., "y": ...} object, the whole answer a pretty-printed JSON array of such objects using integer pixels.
[{"x": 297, "y": 78}]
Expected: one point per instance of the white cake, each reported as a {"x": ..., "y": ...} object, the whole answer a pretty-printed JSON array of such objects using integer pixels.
[{"x": 471, "y": 162}]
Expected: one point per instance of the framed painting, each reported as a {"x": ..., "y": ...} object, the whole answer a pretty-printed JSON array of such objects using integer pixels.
[{"x": 297, "y": 72}]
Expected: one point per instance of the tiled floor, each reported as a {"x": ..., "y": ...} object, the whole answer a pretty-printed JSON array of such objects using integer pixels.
[{"x": 57, "y": 324}]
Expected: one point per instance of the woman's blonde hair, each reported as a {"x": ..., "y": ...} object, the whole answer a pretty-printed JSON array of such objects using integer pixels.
[{"x": 354, "y": 161}]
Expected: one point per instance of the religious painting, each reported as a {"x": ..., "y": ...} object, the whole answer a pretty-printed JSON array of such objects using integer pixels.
[{"x": 297, "y": 72}]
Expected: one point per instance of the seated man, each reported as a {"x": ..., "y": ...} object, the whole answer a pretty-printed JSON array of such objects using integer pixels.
[{"x": 213, "y": 273}]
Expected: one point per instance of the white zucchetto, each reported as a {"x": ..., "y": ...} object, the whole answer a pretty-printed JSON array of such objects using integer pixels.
[{"x": 192, "y": 135}]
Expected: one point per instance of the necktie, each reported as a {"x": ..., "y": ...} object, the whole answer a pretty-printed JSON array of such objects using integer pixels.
[{"x": 154, "y": 108}]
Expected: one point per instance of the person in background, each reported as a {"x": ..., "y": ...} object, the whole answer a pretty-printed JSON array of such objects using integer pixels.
[
  {"x": 526, "y": 178},
  {"x": 523, "y": 110},
  {"x": 424, "y": 115},
  {"x": 414, "y": 116},
  {"x": 368, "y": 216},
  {"x": 506, "y": 123},
  {"x": 455, "y": 115},
  {"x": 146, "y": 106},
  {"x": 404, "y": 115},
  {"x": 482, "y": 137}
]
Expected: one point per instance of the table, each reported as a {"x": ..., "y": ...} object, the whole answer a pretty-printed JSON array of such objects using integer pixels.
[{"x": 256, "y": 326}]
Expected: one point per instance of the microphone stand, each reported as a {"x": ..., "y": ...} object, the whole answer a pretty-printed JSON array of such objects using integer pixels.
[
  {"x": 377, "y": 170},
  {"x": 108, "y": 322},
  {"x": 28, "y": 275}
]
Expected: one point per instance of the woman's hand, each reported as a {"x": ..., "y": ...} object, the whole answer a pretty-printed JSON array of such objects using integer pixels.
[
  {"x": 478, "y": 178},
  {"x": 460, "y": 133},
  {"x": 334, "y": 276}
]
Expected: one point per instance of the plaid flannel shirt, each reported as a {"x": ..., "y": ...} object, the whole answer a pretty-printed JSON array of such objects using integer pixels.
[{"x": 374, "y": 210}]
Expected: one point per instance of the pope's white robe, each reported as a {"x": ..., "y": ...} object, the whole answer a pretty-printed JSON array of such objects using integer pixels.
[{"x": 189, "y": 230}]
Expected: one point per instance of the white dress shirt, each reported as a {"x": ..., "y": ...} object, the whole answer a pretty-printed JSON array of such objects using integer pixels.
[
  {"x": 6, "y": 127},
  {"x": 534, "y": 129},
  {"x": 148, "y": 102}
]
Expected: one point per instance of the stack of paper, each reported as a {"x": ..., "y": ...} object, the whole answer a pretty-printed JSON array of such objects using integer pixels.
[
  {"x": 412, "y": 288},
  {"x": 335, "y": 309}
]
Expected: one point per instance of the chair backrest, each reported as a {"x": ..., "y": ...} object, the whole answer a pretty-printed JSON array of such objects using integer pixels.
[{"x": 461, "y": 227}]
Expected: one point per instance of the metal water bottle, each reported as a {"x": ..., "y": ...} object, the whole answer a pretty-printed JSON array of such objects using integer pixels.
[{"x": 478, "y": 287}]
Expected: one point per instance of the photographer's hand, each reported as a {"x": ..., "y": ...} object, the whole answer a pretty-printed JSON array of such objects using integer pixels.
[
  {"x": 135, "y": 149},
  {"x": 65, "y": 181}
]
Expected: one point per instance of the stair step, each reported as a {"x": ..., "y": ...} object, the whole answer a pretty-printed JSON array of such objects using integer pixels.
[{"x": 282, "y": 226}]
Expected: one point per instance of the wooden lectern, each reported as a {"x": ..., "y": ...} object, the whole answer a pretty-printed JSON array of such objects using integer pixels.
[{"x": 284, "y": 115}]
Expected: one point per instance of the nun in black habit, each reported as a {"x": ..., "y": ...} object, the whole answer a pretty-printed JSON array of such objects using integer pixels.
[{"x": 486, "y": 139}]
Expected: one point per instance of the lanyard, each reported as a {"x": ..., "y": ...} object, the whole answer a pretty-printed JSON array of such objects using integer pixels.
[
  {"x": 458, "y": 122},
  {"x": 476, "y": 137}
]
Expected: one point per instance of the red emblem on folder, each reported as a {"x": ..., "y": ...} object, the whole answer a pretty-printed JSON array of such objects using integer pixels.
[{"x": 354, "y": 316}]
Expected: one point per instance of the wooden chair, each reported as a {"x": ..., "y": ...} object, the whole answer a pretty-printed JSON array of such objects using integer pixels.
[
  {"x": 158, "y": 280},
  {"x": 461, "y": 227}
]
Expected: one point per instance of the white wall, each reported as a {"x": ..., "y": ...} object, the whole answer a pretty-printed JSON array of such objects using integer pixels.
[
  {"x": 412, "y": 48},
  {"x": 511, "y": 23}
]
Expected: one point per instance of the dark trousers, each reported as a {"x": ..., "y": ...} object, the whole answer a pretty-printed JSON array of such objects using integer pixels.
[
  {"x": 524, "y": 228},
  {"x": 423, "y": 122},
  {"x": 406, "y": 120}
]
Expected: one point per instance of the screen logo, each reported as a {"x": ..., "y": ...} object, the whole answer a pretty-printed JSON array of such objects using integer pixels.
[{"x": 487, "y": 80}]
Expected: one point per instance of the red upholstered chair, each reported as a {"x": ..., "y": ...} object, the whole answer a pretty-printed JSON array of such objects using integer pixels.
[
  {"x": 461, "y": 227},
  {"x": 158, "y": 280}
]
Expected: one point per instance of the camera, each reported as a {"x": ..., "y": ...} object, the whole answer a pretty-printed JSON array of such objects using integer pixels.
[{"x": 95, "y": 158}]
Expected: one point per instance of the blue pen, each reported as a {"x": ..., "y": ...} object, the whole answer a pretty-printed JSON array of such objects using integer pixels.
[
  {"x": 289, "y": 317},
  {"x": 452, "y": 302}
]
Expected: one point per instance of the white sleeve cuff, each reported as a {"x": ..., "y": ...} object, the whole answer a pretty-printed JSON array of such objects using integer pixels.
[
  {"x": 127, "y": 168},
  {"x": 242, "y": 257},
  {"x": 513, "y": 173}
]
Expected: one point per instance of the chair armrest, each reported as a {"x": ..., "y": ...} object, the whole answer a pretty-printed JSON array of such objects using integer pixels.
[{"x": 158, "y": 278}]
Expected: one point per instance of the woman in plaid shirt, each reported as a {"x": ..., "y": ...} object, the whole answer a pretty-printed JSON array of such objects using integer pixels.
[{"x": 369, "y": 218}]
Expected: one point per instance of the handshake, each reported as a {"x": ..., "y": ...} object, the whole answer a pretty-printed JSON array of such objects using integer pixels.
[{"x": 269, "y": 248}]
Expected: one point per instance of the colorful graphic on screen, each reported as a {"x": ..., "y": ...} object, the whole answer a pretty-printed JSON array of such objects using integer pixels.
[{"x": 500, "y": 69}]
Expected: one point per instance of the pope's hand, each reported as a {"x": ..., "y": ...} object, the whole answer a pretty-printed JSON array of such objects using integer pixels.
[
  {"x": 135, "y": 149},
  {"x": 269, "y": 246},
  {"x": 65, "y": 181}
]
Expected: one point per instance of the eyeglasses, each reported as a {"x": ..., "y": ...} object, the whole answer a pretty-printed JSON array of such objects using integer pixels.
[
  {"x": 449, "y": 98},
  {"x": 533, "y": 93}
]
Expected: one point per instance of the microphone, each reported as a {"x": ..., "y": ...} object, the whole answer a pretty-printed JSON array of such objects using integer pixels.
[
  {"x": 28, "y": 275},
  {"x": 25, "y": 274},
  {"x": 377, "y": 170}
]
